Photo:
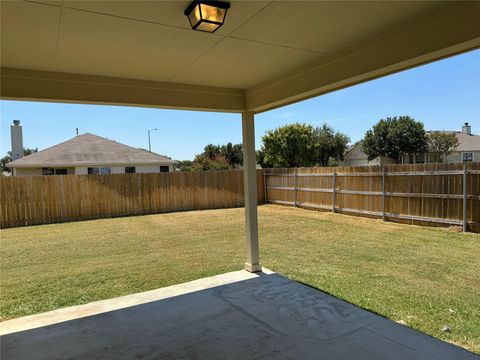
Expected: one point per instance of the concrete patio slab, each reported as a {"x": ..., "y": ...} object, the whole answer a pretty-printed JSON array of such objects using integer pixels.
[{"x": 237, "y": 315}]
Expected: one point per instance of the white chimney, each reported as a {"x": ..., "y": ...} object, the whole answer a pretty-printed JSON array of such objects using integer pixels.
[
  {"x": 467, "y": 129},
  {"x": 17, "y": 140}
]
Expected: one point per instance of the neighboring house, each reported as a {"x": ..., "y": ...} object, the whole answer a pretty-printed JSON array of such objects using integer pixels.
[
  {"x": 468, "y": 149},
  {"x": 90, "y": 154},
  {"x": 356, "y": 157}
]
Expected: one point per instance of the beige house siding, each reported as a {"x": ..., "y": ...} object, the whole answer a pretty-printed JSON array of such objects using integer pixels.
[
  {"x": 360, "y": 162},
  {"x": 457, "y": 156},
  {"x": 83, "y": 170},
  {"x": 27, "y": 171},
  {"x": 120, "y": 169},
  {"x": 454, "y": 157},
  {"x": 365, "y": 162},
  {"x": 117, "y": 169},
  {"x": 356, "y": 157},
  {"x": 37, "y": 171}
]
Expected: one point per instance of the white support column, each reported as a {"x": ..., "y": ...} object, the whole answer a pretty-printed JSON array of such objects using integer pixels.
[{"x": 250, "y": 188}]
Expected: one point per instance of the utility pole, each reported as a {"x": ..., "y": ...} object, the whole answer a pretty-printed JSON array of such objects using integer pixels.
[{"x": 149, "y": 143}]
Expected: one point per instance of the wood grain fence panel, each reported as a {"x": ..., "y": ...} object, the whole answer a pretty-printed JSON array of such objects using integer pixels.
[
  {"x": 8, "y": 201},
  {"x": 421, "y": 193},
  {"x": 50, "y": 199}
]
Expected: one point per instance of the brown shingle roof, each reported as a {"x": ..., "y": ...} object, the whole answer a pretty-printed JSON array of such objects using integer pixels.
[{"x": 89, "y": 149}]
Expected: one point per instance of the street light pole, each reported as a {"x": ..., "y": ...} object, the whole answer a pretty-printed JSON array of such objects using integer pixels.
[{"x": 149, "y": 143}]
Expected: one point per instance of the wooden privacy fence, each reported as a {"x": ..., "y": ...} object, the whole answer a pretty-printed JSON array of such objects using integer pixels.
[
  {"x": 431, "y": 193},
  {"x": 425, "y": 193},
  {"x": 50, "y": 199}
]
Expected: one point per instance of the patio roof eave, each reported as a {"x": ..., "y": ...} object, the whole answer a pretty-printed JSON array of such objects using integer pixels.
[
  {"x": 35, "y": 85},
  {"x": 451, "y": 30},
  {"x": 448, "y": 32}
]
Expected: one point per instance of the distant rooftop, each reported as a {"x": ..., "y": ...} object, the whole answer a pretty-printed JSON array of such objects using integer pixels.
[
  {"x": 466, "y": 142},
  {"x": 90, "y": 149}
]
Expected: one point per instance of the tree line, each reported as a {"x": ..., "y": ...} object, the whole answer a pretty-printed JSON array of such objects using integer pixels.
[
  {"x": 215, "y": 157},
  {"x": 303, "y": 145},
  {"x": 293, "y": 145}
]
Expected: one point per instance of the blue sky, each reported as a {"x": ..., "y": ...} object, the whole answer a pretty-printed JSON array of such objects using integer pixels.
[{"x": 443, "y": 95}]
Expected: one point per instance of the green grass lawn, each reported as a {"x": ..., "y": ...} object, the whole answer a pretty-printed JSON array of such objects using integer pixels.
[{"x": 427, "y": 277}]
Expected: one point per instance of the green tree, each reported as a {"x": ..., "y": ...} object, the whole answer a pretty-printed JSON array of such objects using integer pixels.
[
  {"x": 394, "y": 138},
  {"x": 211, "y": 151},
  {"x": 261, "y": 159},
  {"x": 219, "y": 157},
  {"x": 203, "y": 163},
  {"x": 330, "y": 146},
  {"x": 441, "y": 144},
  {"x": 298, "y": 145},
  {"x": 232, "y": 153},
  {"x": 8, "y": 158},
  {"x": 184, "y": 165},
  {"x": 289, "y": 146}
]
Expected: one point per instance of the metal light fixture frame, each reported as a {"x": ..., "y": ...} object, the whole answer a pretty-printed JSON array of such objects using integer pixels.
[{"x": 213, "y": 3}]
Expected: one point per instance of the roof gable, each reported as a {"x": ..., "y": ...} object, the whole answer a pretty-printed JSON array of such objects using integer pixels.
[{"x": 89, "y": 149}]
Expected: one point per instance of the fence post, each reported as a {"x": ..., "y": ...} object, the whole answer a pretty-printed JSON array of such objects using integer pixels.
[
  {"x": 465, "y": 198},
  {"x": 333, "y": 189},
  {"x": 265, "y": 186},
  {"x": 383, "y": 193},
  {"x": 295, "y": 188}
]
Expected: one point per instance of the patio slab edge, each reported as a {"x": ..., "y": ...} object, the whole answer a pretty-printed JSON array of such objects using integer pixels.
[{"x": 102, "y": 306}]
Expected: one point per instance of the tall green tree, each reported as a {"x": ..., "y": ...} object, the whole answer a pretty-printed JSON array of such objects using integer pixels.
[
  {"x": 232, "y": 153},
  {"x": 298, "y": 145},
  {"x": 218, "y": 157},
  {"x": 394, "y": 138},
  {"x": 330, "y": 145},
  {"x": 261, "y": 159},
  {"x": 441, "y": 144},
  {"x": 8, "y": 158},
  {"x": 211, "y": 151},
  {"x": 203, "y": 163},
  {"x": 288, "y": 146}
]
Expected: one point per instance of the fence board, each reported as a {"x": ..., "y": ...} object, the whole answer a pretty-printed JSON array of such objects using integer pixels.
[
  {"x": 59, "y": 198},
  {"x": 413, "y": 193},
  {"x": 424, "y": 194}
]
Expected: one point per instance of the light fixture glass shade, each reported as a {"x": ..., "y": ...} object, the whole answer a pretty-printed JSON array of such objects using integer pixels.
[
  {"x": 209, "y": 27},
  {"x": 206, "y": 15},
  {"x": 212, "y": 13},
  {"x": 194, "y": 16}
]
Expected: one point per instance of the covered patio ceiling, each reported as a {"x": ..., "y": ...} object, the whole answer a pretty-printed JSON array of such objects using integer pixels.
[{"x": 267, "y": 54}]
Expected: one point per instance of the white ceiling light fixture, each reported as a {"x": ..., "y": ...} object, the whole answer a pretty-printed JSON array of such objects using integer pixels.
[{"x": 206, "y": 15}]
